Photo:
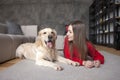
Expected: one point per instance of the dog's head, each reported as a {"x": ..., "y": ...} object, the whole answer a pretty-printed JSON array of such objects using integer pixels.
[{"x": 47, "y": 37}]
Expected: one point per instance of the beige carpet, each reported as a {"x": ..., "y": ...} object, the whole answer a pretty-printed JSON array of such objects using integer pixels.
[{"x": 27, "y": 70}]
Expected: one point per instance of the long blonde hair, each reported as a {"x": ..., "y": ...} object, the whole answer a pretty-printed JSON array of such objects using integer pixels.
[{"x": 79, "y": 41}]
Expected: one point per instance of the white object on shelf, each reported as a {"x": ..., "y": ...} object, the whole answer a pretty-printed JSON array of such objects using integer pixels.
[
  {"x": 111, "y": 38},
  {"x": 107, "y": 38},
  {"x": 111, "y": 27},
  {"x": 119, "y": 11},
  {"x": 111, "y": 15},
  {"x": 106, "y": 31}
]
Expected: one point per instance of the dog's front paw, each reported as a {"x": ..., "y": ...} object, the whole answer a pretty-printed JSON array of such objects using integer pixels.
[
  {"x": 58, "y": 68},
  {"x": 74, "y": 63}
]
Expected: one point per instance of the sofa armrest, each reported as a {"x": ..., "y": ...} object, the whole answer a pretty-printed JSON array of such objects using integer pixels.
[
  {"x": 60, "y": 42},
  {"x": 9, "y": 44},
  {"x": 5, "y": 47},
  {"x": 29, "y": 30}
]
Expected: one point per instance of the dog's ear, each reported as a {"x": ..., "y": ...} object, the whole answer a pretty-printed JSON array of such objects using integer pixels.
[
  {"x": 39, "y": 33},
  {"x": 55, "y": 33},
  {"x": 38, "y": 41},
  {"x": 55, "y": 37}
]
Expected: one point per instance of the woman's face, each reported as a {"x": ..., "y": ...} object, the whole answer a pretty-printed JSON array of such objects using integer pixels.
[{"x": 70, "y": 33}]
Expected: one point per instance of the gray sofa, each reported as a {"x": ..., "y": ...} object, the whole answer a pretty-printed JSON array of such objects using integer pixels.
[{"x": 9, "y": 42}]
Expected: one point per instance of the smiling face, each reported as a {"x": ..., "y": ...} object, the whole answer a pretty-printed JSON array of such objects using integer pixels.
[
  {"x": 47, "y": 37},
  {"x": 70, "y": 33}
]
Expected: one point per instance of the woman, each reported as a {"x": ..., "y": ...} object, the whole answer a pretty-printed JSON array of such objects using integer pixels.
[{"x": 78, "y": 49}]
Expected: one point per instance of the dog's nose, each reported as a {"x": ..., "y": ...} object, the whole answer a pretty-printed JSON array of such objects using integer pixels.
[{"x": 50, "y": 37}]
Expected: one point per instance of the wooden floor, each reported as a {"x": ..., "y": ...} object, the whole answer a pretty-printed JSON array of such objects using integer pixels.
[
  {"x": 8, "y": 63},
  {"x": 110, "y": 50},
  {"x": 12, "y": 62}
]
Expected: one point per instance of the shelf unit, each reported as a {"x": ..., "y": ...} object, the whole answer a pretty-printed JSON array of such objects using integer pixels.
[{"x": 104, "y": 23}]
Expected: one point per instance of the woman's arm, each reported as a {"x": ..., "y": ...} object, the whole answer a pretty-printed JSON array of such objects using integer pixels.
[{"x": 94, "y": 53}]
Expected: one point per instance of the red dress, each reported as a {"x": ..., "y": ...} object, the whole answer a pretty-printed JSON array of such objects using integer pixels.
[{"x": 95, "y": 55}]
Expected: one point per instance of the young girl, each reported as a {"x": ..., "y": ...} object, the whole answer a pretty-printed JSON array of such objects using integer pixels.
[{"x": 79, "y": 49}]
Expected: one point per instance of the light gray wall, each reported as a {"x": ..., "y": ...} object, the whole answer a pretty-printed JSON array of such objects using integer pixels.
[{"x": 55, "y": 13}]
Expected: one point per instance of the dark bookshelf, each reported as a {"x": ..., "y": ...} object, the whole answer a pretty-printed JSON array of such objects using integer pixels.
[{"x": 104, "y": 23}]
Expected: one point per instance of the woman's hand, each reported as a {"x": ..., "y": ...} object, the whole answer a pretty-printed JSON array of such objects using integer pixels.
[
  {"x": 97, "y": 63},
  {"x": 88, "y": 64}
]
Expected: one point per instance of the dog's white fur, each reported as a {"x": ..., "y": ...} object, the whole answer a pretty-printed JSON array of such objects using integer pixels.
[{"x": 43, "y": 52}]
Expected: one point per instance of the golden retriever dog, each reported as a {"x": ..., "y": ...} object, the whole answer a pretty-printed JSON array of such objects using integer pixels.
[{"x": 43, "y": 50}]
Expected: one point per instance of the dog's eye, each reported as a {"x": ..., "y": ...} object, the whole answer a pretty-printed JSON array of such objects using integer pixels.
[
  {"x": 52, "y": 32},
  {"x": 44, "y": 33}
]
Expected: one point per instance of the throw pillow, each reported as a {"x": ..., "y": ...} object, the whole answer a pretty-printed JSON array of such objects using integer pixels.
[{"x": 14, "y": 28}]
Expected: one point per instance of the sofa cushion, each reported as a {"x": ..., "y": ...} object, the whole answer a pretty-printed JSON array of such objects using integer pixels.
[
  {"x": 29, "y": 30},
  {"x": 27, "y": 70},
  {"x": 14, "y": 28}
]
